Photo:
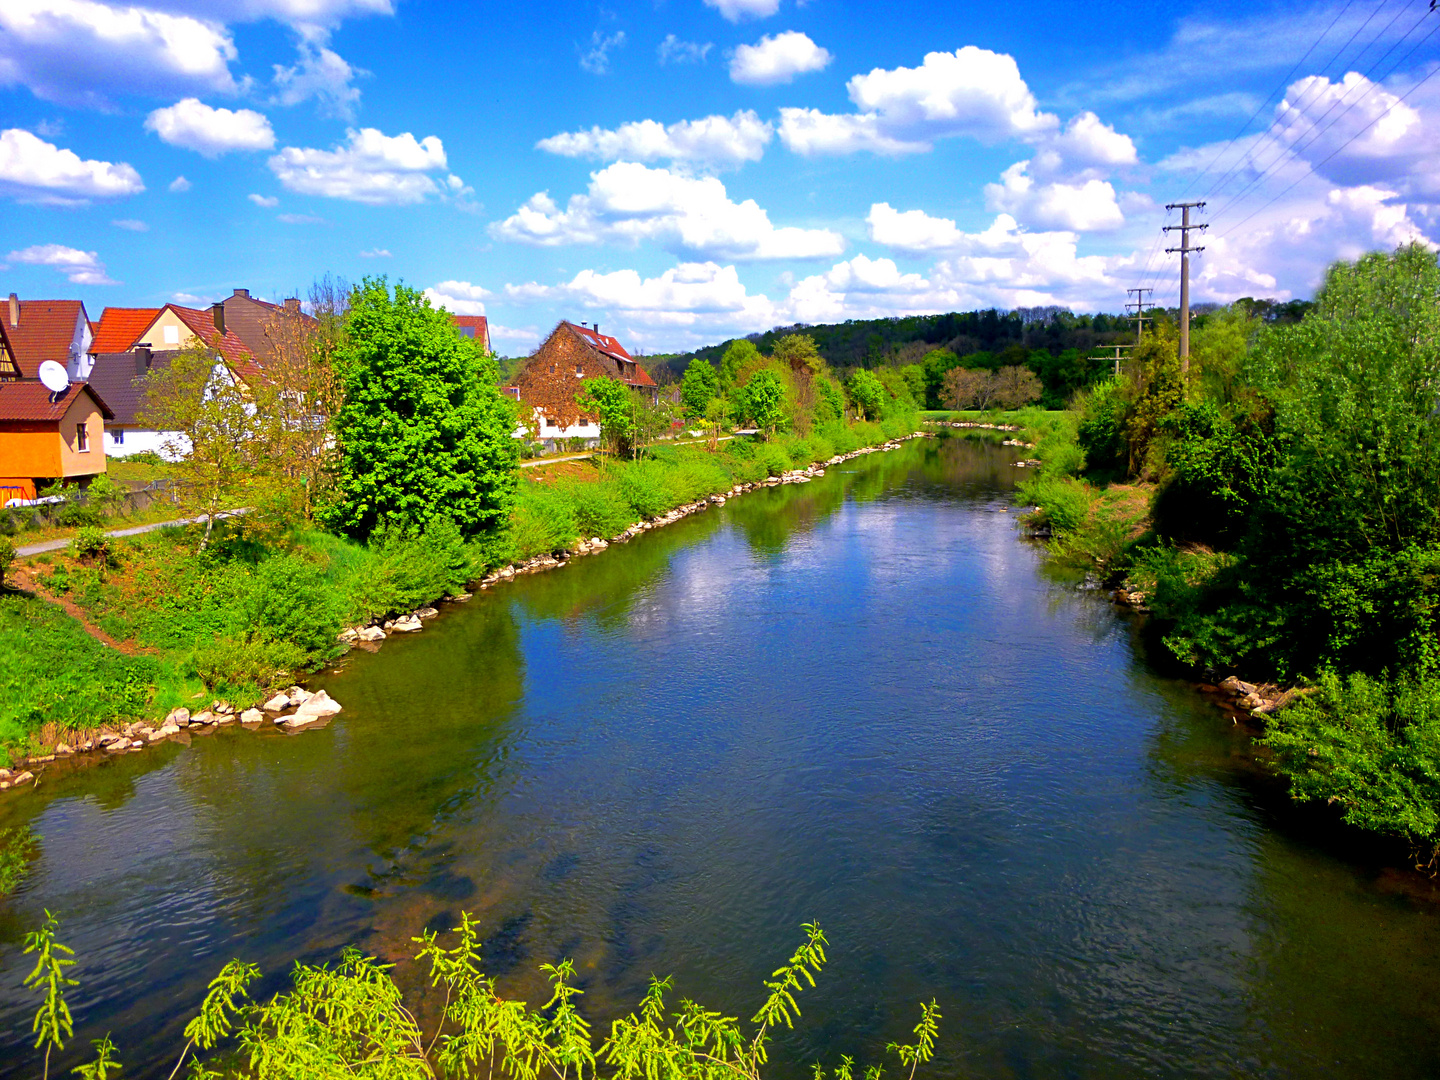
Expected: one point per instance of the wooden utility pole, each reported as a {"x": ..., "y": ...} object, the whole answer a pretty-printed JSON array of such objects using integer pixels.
[
  {"x": 1139, "y": 304},
  {"x": 1185, "y": 250},
  {"x": 1117, "y": 357}
]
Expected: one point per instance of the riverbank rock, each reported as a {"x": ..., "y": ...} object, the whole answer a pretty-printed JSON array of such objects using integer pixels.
[
  {"x": 317, "y": 705},
  {"x": 251, "y": 716},
  {"x": 407, "y": 624},
  {"x": 427, "y": 613},
  {"x": 204, "y": 719},
  {"x": 180, "y": 716},
  {"x": 347, "y": 635},
  {"x": 278, "y": 703},
  {"x": 369, "y": 633}
]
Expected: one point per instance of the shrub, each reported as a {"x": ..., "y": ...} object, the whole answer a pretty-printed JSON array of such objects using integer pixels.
[
  {"x": 1063, "y": 504},
  {"x": 409, "y": 571},
  {"x": 7, "y": 557},
  {"x": 17, "y": 848},
  {"x": 599, "y": 509},
  {"x": 76, "y": 515},
  {"x": 291, "y": 601},
  {"x": 544, "y": 521},
  {"x": 91, "y": 543},
  {"x": 246, "y": 663},
  {"x": 774, "y": 459},
  {"x": 641, "y": 485}
]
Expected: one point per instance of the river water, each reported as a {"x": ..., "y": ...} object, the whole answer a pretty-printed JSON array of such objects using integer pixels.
[{"x": 862, "y": 701}]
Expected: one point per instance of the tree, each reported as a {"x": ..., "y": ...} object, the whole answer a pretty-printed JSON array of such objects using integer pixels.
[
  {"x": 716, "y": 411},
  {"x": 699, "y": 385},
  {"x": 765, "y": 400},
  {"x": 1016, "y": 386},
  {"x": 966, "y": 388},
  {"x": 868, "y": 394},
  {"x": 213, "y": 431},
  {"x": 424, "y": 433},
  {"x": 614, "y": 403},
  {"x": 799, "y": 354},
  {"x": 739, "y": 355}
]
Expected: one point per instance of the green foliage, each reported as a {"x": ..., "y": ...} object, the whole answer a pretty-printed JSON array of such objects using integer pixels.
[
  {"x": 7, "y": 557},
  {"x": 18, "y": 846},
  {"x": 105, "y": 494},
  {"x": 614, "y": 403},
  {"x": 73, "y": 515},
  {"x": 407, "y": 570},
  {"x": 52, "y": 1024},
  {"x": 104, "y": 1063},
  {"x": 765, "y": 400},
  {"x": 867, "y": 393},
  {"x": 423, "y": 433},
  {"x": 1219, "y": 469},
  {"x": 1101, "y": 432},
  {"x": 740, "y": 355},
  {"x": 291, "y": 600},
  {"x": 699, "y": 385},
  {"x": 91, "y": 543},
  {"x": 1370, "y": 746}
]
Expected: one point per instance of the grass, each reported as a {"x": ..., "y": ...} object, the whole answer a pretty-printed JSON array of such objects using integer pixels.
[{"x": 17, "y": 848}]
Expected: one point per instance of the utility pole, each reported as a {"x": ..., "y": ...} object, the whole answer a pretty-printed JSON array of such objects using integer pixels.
[
  {"x": 1117, "y": 357},
  {"x": 1185, "y": 250},
  {"x": 1139, "y": 304}
]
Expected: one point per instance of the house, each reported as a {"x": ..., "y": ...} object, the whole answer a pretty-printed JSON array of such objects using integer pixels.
[
  {"x": 48, "y": 435},
  {"x": 119, "y": 378},
  {"x": 175, "y": 327},
  {"x": 41, "y": 330},
  {"x": 553, "y": 375},
  {"x": 119, "y": 329},
  {"x": 474, "y": 326},
  {"x": 260, "y": 324}
]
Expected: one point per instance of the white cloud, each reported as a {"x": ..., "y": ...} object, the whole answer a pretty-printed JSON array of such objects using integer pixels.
[
  {"x": 80, "y": 52},
  {"x": 371, "y": 168},
  {"x": 1086, "y": 206},
  {"x": 629, "y": 202},
  {"x": 596, "y": 57},
  {"x": 736, "y": 10},
  {"x": 716, "y": 141},
  {"x": 526, "y": 335},
  {"x": 320, "y": 73},
  {"x": 196, "y": 126},
  {"x": 37, "y": 171},
  {"x": 193, "y": 300},
  {"x": 1085, "y": 143},
  {"x": 80, "y": 267},
  {"x": 131, "y": 225},
  {"x": 674, "y": 51},
  {"x": 376, "y": 253},
  {"x": 299, "y": 219},
  {"x": 777, "y": 59},
  {"x": 266, "y": 201},
  {"x": 459, "y": 297},
  {"x": 322, "y": 13},
  {"x": 971, "y": 92},
  {"x": 180, "y": 184},
  {"x": 912, "y": 231}
]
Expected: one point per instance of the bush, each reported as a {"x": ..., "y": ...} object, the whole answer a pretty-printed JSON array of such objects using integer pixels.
[
  {"x": 544, "y": 521},
  {"x": 76, "y": 515},
  {"x": 246, "y": 664},
  {"x": 599, "y": 509},
  {"x": 91, "y": 543},
  {"x": 408, "y": 571},
  {"x": 7, "y": 557},
  {"x": 1101, "y": 434},
  {"x": 291, "y": 601},
  {"x": 1062, "y": 504}
]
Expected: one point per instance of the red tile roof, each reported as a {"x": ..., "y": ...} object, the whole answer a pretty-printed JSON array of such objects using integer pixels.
[
  {"x": 120, "y": 328},
  {"x": 47, "y": 327},
  {"x": 613, "y": 349},
  {"x": 31, "y": 401},
  {"x": 237, "y": 357}
]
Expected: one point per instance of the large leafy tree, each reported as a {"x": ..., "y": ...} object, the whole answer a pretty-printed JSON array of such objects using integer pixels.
[
  {"x": 615, "y": 404},
  {"x": 700, "y": 383},
  {"x": 424, "y": 433},
  {"x": 765, "y": 400},
  {"x": 868, "y": 394}
]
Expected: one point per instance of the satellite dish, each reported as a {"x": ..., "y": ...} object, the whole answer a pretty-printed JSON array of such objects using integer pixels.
[{"x": 54, "y": 376}]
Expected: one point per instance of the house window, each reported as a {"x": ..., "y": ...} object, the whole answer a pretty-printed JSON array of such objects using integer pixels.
[
  {"x": 552, "y": 369},
  {"x": 117, "y": 436},
  {"x": 82, "y": 439},
  {"x": 172, "y": 335},
  {"x": 467, "y": 331},
  {"x": 579, "y": 372}
]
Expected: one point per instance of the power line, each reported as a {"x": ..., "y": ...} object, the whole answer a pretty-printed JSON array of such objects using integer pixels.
[{"x": 1185, "y": 250}]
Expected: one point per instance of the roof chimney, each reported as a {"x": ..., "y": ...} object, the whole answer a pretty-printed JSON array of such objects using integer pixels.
[
  {"x": 292, "y": 303},
  {"x": 597, "y": 329},
  {"x": 218, "y": 311},
  {"x": 242, "y": 292},
  {"x": 14, "y": 311},
  {"x": 142, "y": 359}
]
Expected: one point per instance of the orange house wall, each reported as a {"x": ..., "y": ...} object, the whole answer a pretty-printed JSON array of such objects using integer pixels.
[{"x": 48, "y": 451}]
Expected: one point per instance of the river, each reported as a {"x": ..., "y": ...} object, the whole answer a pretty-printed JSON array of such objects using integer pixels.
[{"x": 863, "y": 701}]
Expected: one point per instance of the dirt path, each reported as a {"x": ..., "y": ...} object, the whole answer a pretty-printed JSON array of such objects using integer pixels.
[
  {"x": 135, "y": 530},
  {"x": 21, "y": 578}
]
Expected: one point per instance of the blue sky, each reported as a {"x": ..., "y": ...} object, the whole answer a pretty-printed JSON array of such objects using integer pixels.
[{"x": 685, "y": 170}]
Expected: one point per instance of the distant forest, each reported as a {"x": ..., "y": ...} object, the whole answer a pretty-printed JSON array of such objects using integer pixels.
[{"x": 1054, "y": 342}]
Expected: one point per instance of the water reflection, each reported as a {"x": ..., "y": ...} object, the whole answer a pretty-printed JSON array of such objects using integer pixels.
[{"x": 859, "y": 700}]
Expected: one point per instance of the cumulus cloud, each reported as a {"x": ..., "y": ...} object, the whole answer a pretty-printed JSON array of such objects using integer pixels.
[
  {"x": 675, "y": 51},
  {"x": 1085, "y": 206},
  {"x": 80, "y": 52},
  {"x": 736, "y": 10},
  {"x": 777, "y": 59},
  {"x": 595, "y": 57},
  {"x": 320, "y": 73},
  {"x": 716, "y": 141},
  {"x": 371, "y": 168},
  {"x": 80, "y": 267},
  {"x": 266, "y": 201},
  {"x": 34, "y": 170},
  {"x": 458, "y": 297},
  {"x": 180, "y": 184},
  {"x": 971, "y": 92},
  {"x": 196, "y": 126},
  {"x": 628, "y": 202}
]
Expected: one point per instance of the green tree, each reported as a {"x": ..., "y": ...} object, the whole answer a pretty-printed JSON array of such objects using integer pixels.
[
  {"x": 613, "y": 402},
  {"x": 798, "y": 352},
  {"x": 423, "y": 433},
  {"x": 740, "y": 354},
  {"x": 765, "y": 400},
  {"x": 700, "y": 383},
  {"x": 868, "y": 394}
]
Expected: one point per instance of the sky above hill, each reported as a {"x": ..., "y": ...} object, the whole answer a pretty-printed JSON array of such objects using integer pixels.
[{"x": 682, "y": 171}]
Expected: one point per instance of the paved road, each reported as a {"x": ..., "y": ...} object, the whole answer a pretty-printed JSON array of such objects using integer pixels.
[
  {"x": 56, "y": 545},
  {"x": 582, "y": 457}
]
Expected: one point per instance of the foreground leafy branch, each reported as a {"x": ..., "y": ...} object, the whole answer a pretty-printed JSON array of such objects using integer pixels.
[{"x": 351, "y": 1021}]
